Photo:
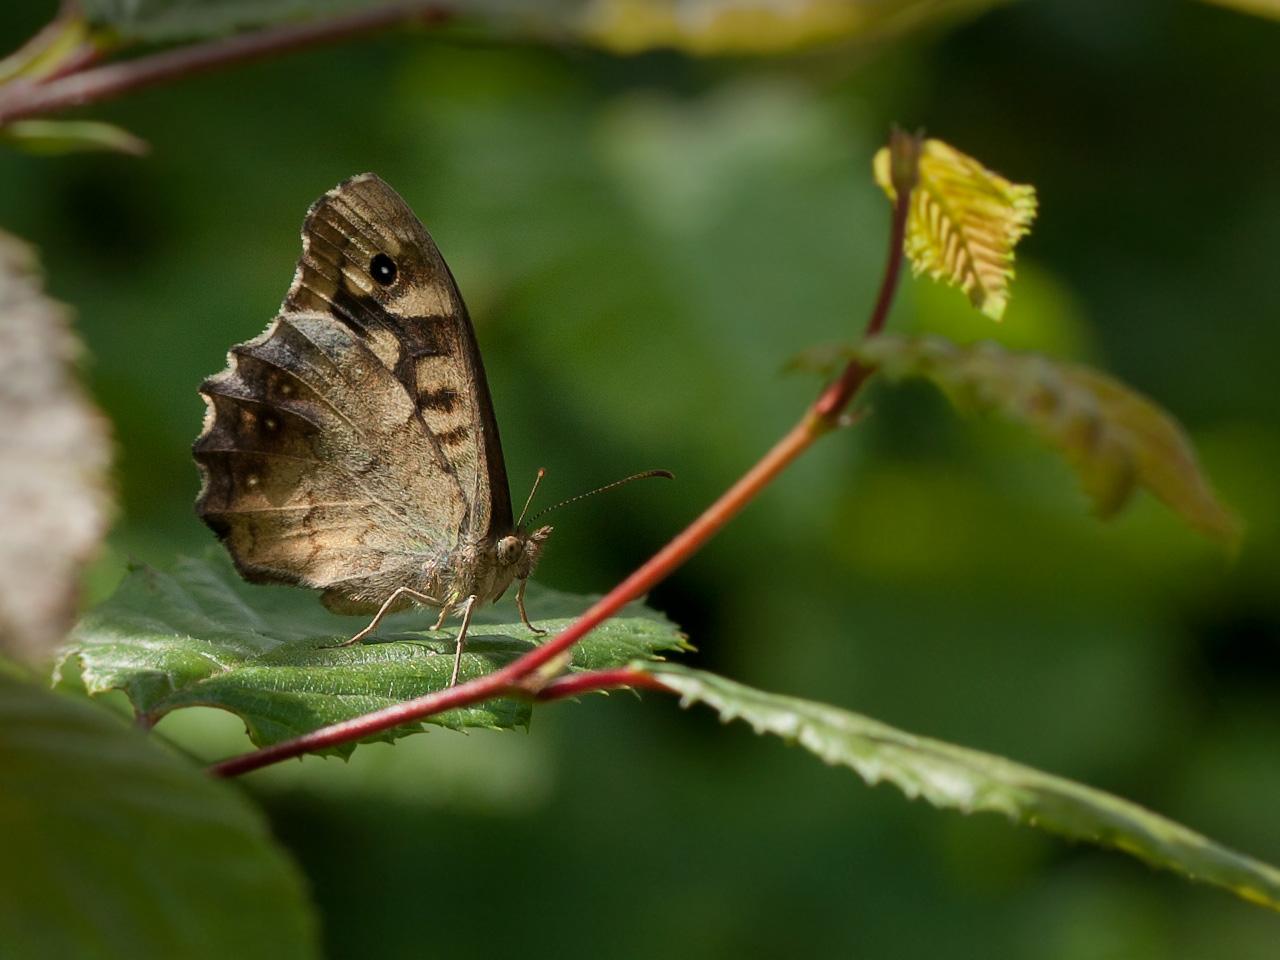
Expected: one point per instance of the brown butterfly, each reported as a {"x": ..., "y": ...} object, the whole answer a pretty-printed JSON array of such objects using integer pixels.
[{"x": 352, "y": 447}]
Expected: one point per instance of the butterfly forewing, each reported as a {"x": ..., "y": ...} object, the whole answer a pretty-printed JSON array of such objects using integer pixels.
[
  {"x": 417, "y": 325},
  {"x": 353, "y": 444}
]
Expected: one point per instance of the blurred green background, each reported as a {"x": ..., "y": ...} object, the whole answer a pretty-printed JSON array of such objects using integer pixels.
[{"x": 643, "y": 242}]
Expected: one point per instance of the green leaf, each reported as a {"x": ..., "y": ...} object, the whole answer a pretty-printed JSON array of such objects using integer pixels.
[
  {"x": 1116, "y": 439},
  {"x": 116, "y": 848},
  {"x": 201, "y": 636},
  {"x": 967, "y": 780},
  {"x": 55, "y": 137},
  {"x": 964, "y": 222}
]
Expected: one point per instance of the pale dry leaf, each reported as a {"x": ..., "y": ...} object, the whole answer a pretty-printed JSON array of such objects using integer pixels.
[{"x": 54, "y": 457}]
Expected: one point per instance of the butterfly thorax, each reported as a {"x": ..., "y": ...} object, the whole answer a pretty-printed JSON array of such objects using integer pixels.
[{"x": 484, "y": 570}]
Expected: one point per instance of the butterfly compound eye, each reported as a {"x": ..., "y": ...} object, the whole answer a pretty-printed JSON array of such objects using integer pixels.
[
  {"x": 509, "y": 549},
  {"x": 383, "y": 269}
]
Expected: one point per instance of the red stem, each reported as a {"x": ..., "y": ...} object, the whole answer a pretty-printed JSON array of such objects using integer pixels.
[
  {"x": 594, "y": 681},
  {"x": 508, "y": 679},
  {"x": 837, "y": 396},
  {"x": 513, "y": 679},
  {"x": 114, "y": 79}
]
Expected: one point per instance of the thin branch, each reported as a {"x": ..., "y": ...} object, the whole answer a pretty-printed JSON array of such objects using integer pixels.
[
  {"x": 511, "y": 680},
  {"x": 599, "y": 681},
  {"x": 570, "y": 685},
  {"x": 102, "y": 83},
  {"x": 904, "y": 150}
]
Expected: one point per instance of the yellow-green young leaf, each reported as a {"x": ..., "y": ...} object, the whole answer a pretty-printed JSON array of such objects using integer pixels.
[
  {"x": 53, "y": 137},
  {"x": 1115, "y": 438},
  {"x": 1261, "y": 8},
  {"x": 958, "y": 778},
  {"x": 756, "y": 26},
  {"x": 964, "y": 223},
  {"x": 48, "y": 50}
]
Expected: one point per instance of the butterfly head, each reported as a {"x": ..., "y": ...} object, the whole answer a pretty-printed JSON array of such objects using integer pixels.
[{"x": 522, "y": 550}]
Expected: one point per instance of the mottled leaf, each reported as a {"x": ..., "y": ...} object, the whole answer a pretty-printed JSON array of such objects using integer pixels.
[
  {"x": 1116, "y": 439},
  {"x": 54, "y": 456},
  {"x": 964, "y": 223},
  {"x": 201, "y": 636},
  {"x": 967, "y": 780},
  {"x": 114, "y": 847}
]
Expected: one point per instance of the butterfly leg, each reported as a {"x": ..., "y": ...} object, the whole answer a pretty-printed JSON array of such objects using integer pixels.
[
  {"x": 382, "y": 612},
  {"x": 467, "y": 607},
  {"x": 524, "y": 617},
  {"x": 446, "y": 608}
]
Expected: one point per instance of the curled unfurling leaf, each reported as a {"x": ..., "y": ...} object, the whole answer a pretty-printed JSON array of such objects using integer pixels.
[{"x": 964, "y": 223}]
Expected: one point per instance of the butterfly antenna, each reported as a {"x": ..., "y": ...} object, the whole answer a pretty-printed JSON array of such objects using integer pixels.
[
  {"x": 664, "y": 474},
  {"x": 542, "y": 472}
]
